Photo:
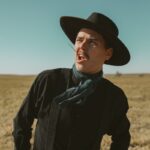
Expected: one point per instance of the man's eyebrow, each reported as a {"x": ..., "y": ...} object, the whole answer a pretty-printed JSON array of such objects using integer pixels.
[
  {"x": 90, "y": 38},
  {"x": 93, "y": 38},
  {"x": 78, "y": 36}
]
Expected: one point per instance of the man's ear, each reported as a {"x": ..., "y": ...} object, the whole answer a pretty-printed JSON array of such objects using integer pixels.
[{"x": 109, "y": 53}]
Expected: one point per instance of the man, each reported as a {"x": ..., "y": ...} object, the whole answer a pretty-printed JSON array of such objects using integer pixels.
[{"x": 75, "y": 107}]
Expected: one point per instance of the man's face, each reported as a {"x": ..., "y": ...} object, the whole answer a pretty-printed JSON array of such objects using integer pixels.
[{"x": 90, "y": 51}]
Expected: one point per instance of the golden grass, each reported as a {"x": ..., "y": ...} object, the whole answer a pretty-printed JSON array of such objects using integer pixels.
[{"x": 137, "y": 88}]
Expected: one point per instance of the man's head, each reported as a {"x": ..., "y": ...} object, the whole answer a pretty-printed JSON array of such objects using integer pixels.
[
  {"x": 91, "y": 51},
  {"x": 105, "y": 31}
]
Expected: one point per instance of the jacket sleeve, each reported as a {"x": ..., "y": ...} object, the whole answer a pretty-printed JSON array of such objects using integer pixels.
[
  {"x": 120, "y": 129},
  {"x": 22, "y": 130}
]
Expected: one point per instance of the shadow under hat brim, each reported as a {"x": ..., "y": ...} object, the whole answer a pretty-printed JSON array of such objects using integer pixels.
[{"x": 72, "y": 25}]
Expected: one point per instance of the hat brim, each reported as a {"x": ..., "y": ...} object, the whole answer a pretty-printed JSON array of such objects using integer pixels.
[{"x": 72, "y": 25}]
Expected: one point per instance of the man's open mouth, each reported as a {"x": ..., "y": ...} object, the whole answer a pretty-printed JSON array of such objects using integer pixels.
[{"x": 82, "y": 56}]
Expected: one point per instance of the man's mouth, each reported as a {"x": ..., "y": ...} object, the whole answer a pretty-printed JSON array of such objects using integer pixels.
[{"x": 82, "y": 56}]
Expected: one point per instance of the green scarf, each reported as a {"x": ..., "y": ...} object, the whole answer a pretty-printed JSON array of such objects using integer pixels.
[{"x": 79, "y": 94}]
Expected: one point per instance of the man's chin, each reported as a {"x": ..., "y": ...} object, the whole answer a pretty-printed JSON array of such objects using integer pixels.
[{"x": 81, "y": 68}]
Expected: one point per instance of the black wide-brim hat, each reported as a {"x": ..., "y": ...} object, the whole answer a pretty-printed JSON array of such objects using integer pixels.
[{"x": 102, "y": 25}]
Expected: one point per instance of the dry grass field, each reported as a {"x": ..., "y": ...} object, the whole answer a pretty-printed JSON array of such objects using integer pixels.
[{"x": 137, "y": 88}]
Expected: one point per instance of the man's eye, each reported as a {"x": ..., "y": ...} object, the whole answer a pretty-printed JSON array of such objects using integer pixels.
[
  {"x": 78, "y": 40},
  {"x": 92, "y": 43}
]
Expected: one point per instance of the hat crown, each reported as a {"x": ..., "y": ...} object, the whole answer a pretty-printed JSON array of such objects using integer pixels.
[{"x": 102, "y": 21}]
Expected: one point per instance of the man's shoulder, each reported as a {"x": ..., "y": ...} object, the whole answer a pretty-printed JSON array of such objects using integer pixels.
[
  {"x": 115, "y": 93},
  {"x": 51, "y": 72},
  {"x": 51, "y": 77},
  {"x": 111, "y": 86}
]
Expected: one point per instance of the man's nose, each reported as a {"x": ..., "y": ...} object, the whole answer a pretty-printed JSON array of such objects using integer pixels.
[{"x": 84, "y": 45}]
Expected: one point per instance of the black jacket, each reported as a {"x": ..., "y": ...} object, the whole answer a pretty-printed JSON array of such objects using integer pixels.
[{"x": 79, "y": 127}]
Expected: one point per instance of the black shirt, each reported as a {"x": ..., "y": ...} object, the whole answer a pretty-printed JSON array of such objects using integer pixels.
[{"x": 79, "y": 128}]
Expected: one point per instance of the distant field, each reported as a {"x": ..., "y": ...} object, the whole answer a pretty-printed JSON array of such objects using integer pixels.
[{"x": 137, "y": 88}]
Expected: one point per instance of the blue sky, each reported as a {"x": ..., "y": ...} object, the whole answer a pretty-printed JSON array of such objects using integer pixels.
[{"x": 31, "y": 39}]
